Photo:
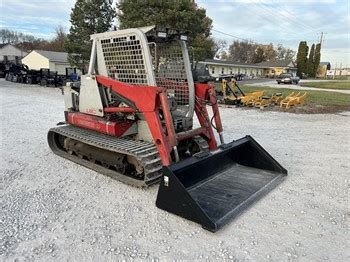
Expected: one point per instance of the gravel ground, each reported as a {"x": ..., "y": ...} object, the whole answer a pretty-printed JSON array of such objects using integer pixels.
[
  {"x": 52, "y": 209},
  {"x": 273, "y": 83}
]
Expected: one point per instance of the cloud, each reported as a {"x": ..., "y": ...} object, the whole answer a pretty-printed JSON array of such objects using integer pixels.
[{"x": 263, "y": 21}]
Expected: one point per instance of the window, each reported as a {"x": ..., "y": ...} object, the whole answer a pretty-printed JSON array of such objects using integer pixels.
[
  {"x": 239, "y": 70},
  {"x": 223, "y": 70},
  {"x": 231, "y": 70},
  {"x": 213, "y": 70}
]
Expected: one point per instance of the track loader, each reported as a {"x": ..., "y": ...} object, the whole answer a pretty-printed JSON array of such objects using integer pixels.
[{"x": 132, "y": 119}]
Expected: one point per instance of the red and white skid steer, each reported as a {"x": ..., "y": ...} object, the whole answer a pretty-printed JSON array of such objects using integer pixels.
[{"x": 132, "y": 119}]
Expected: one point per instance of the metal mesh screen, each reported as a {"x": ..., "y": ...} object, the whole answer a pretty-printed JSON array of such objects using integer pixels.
[
  {"x": 124, "y": 59},
  {"x": 170, "y": 71}
]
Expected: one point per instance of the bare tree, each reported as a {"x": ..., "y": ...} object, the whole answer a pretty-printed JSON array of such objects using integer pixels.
[
  {"x": 284, "y": 53},
  {"x": 219, "y": 48}
]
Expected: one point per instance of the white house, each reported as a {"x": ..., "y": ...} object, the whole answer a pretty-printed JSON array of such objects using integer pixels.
[
  {"x": 264, "y": 69},
  {"x": 221, "y": 67},
  {"x": 55, "y": 61},
  {"x": 10, "y": 53}
]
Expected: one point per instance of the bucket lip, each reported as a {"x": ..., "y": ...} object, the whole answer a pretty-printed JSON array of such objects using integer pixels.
[
  {"x": 202, "y": 157},
  {"x": 225, "y": 147}
]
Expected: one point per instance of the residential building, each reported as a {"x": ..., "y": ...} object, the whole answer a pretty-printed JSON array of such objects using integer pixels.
[
  {"x": 221, "y": 67},
  {"x": 275, "y": 68},
  {"x": 55, "y": 61},
  {"x": 322, "y": 69},
  {"x": 264, "y": 69},
  {"x": 10, "y": 53}
]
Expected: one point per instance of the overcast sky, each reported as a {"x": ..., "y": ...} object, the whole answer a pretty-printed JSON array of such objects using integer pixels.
[{"x": 263, "y": 21}]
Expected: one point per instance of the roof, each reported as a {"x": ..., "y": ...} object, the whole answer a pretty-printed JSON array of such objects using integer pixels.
[
  {"x": 268, "y": 64},
  {"x": 282, "y": 63},
  {"x": 54, "y": 56},
  {"x": 2, "y": 45},
  {"x": 230, "y": 63},
  {"x": 325, "y": 63}
]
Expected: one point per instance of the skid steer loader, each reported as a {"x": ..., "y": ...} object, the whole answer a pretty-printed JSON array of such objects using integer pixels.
[{"x": 132, "y": 119}]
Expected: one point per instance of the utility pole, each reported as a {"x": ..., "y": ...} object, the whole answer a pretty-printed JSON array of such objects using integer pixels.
[{"x": 322, "y": 37}]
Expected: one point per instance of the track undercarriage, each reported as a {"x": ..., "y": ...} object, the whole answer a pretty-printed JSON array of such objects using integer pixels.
[{"x": 133, "y": 162}]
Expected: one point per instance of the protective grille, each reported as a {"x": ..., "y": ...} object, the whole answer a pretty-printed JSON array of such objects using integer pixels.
[
  {"x": 124, "y": 59},
  {"x": 170, "y": 71}
]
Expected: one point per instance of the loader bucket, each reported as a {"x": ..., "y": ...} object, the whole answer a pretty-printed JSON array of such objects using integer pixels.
[{"x": 212, "y": 188}]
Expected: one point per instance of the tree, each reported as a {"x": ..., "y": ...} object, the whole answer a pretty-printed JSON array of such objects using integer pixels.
[
  {"x": 250, "y": 52},
  {"x": 242, "y": 51},
  {"x": 302, "y": 58},
  {"x": 317, "y": 58},
  {"x": 269, "y": 52},
  {"x": 178, "y": 14},
  {"x": 58, "y": 42},
  {"x": 283, "y": 53},
  {"x": 259, "y": 55},
  {"x": 220, "y": 49},
  {"x": 88, "y": 17},
  {"x": 310, "y": 62}
]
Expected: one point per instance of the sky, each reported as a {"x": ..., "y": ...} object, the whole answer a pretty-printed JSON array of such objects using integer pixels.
[{"x": 285, "y": 22}]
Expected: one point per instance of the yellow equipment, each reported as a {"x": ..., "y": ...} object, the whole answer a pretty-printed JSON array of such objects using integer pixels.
[
  {"x": 292, "y": 100},
  {"x": 250, "y": 98},
  {"x": 232, "y": 96},
  {"x": 266, "y": 101},
  {"x": 276, "y": 98},
  {"x": 263, "y": 102}
]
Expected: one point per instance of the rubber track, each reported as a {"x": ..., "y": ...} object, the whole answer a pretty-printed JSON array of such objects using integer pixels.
[{"x": 146, "y": 153}]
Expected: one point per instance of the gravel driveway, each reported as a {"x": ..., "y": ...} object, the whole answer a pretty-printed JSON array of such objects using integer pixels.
[{"x": 52, "y": 209}]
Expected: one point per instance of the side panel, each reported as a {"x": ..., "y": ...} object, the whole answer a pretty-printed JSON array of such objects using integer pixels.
[
  {"x": 90, "y": 98},
  {"x": 68, "y": 97}
]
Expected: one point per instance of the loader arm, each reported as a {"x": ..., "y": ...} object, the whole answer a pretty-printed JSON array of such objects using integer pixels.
[{"x": 149, "y": 100}]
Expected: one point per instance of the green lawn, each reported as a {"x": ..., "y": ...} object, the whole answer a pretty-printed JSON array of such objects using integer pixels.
[
  {"x": 345, "y": 85},
  {"x": 312, "y": 97}
]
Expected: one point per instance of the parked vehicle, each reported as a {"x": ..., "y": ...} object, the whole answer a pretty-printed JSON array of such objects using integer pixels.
[
  {"x": 2, "y": 70},
  {"x": 50, "y": 78},
  {"x": 288, "y": 78},
  {"x": 16, "y": 72}
]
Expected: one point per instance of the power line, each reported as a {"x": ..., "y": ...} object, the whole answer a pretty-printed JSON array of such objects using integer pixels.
[
  {"x": 230, "y": 35},
  {"x": 295, "y": 20},
  {"x": 266, "y": 17}
]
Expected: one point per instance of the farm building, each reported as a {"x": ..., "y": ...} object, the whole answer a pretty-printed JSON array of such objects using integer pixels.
[
  {"x": 55, "y": 61},
  {"x": 10, "y": 53}
]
